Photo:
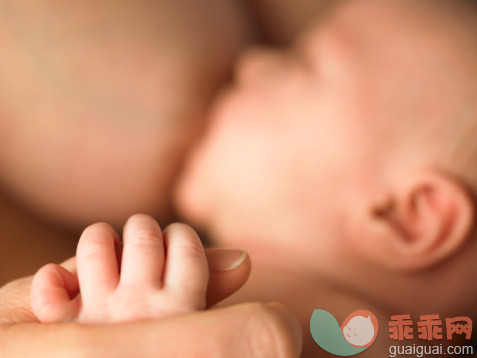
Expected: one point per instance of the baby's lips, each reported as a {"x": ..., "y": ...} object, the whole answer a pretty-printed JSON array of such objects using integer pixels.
[{"x": 221, "y": 260}]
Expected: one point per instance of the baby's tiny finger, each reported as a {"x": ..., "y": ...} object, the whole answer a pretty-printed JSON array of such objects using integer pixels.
[
  {"x": 96, "y": 260},
  {"x": 51, "y": 289},
  {"x": 186, "y": 268},
  {"x": 143, "y": 252}
]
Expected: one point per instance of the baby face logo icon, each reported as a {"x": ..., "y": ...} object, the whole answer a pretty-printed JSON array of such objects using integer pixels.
[
  {"x": 359, "y": 329},
  {"x": 356, "y": 334}
]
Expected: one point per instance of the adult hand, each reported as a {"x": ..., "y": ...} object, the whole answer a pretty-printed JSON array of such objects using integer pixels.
[
  {"x": 246, "y": 330},
  {"x": 250, "y": 330}
]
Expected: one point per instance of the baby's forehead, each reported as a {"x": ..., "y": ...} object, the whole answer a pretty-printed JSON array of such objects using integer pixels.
[
  {"x": 391, "y": 45},
  {"x": 373, "y": 27},
  {"x": 400, "y": 59}
]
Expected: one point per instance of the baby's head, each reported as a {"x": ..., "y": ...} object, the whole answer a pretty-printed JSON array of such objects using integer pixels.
[{"x": 354, "y": 151}]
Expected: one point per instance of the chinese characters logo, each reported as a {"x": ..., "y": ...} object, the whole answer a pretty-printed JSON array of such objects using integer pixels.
[
  {"x": 359, "y": 330},
  {"x": 429, "y": 327}
]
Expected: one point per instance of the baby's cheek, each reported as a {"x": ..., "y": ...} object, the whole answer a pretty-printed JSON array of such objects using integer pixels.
[
  {"x": 192, "y": 191},
  {"x": 237, "y": 183}
]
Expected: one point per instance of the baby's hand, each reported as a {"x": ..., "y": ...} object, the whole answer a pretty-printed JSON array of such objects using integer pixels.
[{"x": 159, "y": 274}]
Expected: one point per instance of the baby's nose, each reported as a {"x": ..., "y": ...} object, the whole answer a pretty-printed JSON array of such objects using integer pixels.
[{"x": 256, "y": 63}]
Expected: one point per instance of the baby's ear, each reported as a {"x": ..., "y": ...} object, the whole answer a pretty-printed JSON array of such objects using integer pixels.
[{"x": 422, "y": 222}]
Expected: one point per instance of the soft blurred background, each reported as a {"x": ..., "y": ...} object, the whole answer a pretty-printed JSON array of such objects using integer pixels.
[{"x": 100, "y": 102}]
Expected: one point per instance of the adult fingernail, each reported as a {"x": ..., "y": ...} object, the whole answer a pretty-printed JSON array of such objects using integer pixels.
[{"x": 221, "y": 260}]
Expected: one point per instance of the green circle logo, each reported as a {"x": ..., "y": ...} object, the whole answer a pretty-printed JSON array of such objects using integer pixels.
[{"x": 357, "y": 333}]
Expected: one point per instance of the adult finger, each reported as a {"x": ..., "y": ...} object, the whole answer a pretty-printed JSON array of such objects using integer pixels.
[
  {"x": 70, "y": 264},
  {"x": 15, "y": 302},
  {"x": 228, "y": 271},
  {"x": 247, "y": 330}
]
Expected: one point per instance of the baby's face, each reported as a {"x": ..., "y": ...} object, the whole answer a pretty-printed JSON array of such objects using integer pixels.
[
  {"x": 287, "y": 142},
  {"x": 303, "y": 135}
]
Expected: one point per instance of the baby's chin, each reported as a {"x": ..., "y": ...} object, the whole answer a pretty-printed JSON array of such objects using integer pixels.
[
  {"x": 194, "y": 208},
  {"x": 188, "y": 197}
]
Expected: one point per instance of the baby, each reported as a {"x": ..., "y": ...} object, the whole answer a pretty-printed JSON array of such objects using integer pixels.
[{"x": 345, "y": 166}]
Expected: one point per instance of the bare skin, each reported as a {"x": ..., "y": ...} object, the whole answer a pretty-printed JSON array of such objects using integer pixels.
[
  {"x": 303, "y": 290},
  {"x": 56, "y": 113},
  {"x": 325, "y": 257},
  {"x": 149, "y": 274},
  {"x": 337, "y": 187},
  {"x": 252, "y": 330},
  {"x": 107, "y": 99}
]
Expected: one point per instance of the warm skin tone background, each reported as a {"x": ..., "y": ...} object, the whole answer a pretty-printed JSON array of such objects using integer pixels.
[
  {"x": 68, "y": 155},
  {"x": 100, "y": 103},
  {"x": 34, "y": 234},
  {"x": 280, "y": 271},
  {"x": 43, "y": 217}
]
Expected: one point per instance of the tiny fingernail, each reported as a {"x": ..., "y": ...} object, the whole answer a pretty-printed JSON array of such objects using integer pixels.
[{"x": 221, "y": 260}]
